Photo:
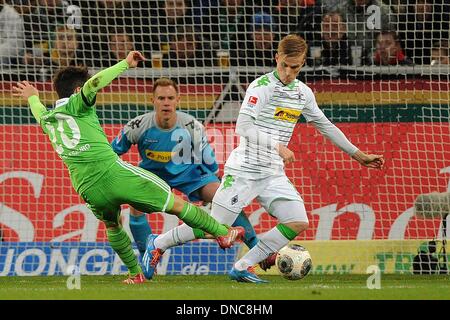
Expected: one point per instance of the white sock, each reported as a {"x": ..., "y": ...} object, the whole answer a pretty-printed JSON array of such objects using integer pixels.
[
  {"x": 270, "y": 242},
  {"x": 176, "y": 236}
]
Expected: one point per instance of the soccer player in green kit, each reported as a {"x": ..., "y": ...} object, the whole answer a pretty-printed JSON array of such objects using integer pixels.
[{"x": 99, "y": 176}]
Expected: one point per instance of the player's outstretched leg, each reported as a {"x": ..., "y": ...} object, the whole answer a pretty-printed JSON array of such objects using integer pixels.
[
  {"x": 196, "y": 218},
  {"x": 184, "y": 233},
  {"x": 121, "y": 244},
  {"x": 153, "y": 254}
]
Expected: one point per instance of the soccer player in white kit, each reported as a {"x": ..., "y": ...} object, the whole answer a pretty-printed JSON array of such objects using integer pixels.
[{"x": 255, "y": 169}]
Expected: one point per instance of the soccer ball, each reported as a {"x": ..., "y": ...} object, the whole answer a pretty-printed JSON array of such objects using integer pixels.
[{"x": 293, "y": 262}]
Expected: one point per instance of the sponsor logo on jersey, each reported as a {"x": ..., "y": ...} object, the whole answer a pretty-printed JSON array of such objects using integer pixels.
[
  {"x": 158, "y": 156},
  {"x": 285, "y": 114},
  {"x": 253, "y": 100}
]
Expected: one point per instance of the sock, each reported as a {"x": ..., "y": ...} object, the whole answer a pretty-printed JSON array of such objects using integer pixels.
[
  {"x": 250, "y": 238},
  {"x": 197, "y": 218},
  {"x": 140, "y": 229},
  {"x": 176, "y": 236},
  {"x": 286, "y": 231},
  {"x": 121, "y": 244},
  {"x": 270, "y": 242}
]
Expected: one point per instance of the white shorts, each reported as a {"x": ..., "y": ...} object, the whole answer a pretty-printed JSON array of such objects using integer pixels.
[{"x": 237, "y": 192}]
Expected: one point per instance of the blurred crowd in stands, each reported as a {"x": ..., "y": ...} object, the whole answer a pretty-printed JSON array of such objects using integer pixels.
[{"x": 198, "y": 33}]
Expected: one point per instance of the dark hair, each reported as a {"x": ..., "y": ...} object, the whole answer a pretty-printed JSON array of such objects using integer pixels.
[
  {"x": 165, "y": 82},
  {"x": 68, "y": 79}
]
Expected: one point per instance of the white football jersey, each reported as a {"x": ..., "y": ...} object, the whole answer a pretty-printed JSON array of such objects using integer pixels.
[{"x": 275, "y": 108}]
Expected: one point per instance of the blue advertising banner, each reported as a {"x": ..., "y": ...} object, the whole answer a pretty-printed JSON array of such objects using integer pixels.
[{"x": 98, "y": 258}]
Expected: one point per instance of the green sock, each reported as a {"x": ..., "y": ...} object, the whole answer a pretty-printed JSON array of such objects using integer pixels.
[
  {"x": 287, "y": 232},
  {"x": 199, "y": 234},
  {"x": 121, "y": 244},
  {"x": 197, "y": 218}
]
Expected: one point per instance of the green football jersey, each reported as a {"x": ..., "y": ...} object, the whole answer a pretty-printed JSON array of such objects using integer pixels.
[
  {"x": 77, "y": 137},
  {"x": 75, "y": 132}
]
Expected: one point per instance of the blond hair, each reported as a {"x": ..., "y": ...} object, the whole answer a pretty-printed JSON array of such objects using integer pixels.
[
  {"x": 292, "y": 46},
  {"x": 165, "y": 82}
]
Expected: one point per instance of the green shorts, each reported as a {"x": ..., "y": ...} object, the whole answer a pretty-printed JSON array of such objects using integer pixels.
[{"x": 126, "y": 184}]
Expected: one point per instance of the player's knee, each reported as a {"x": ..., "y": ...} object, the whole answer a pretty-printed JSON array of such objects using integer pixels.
[
  {"x": 303, "y": 226},
  {"x": 207, "y": 192},
  {"x": 178, "y": 206}
]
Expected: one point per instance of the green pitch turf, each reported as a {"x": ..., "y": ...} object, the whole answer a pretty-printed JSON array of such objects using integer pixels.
[{"x": 312, "y": 287}]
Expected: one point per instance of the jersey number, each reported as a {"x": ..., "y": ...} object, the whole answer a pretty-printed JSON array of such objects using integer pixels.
[{"x": 69, "y": 143}]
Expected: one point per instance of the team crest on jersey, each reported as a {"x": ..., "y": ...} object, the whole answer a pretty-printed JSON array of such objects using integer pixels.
[{"x": 285, "y": 114}]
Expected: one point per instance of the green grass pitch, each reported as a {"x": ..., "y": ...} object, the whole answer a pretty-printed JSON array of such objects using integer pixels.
[{"x": 313, "y": 287}]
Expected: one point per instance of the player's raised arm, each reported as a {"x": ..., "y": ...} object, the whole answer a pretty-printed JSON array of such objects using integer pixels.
[
  {"x": 105, "y": 77},
  {"x": 29, "y": 93}
]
